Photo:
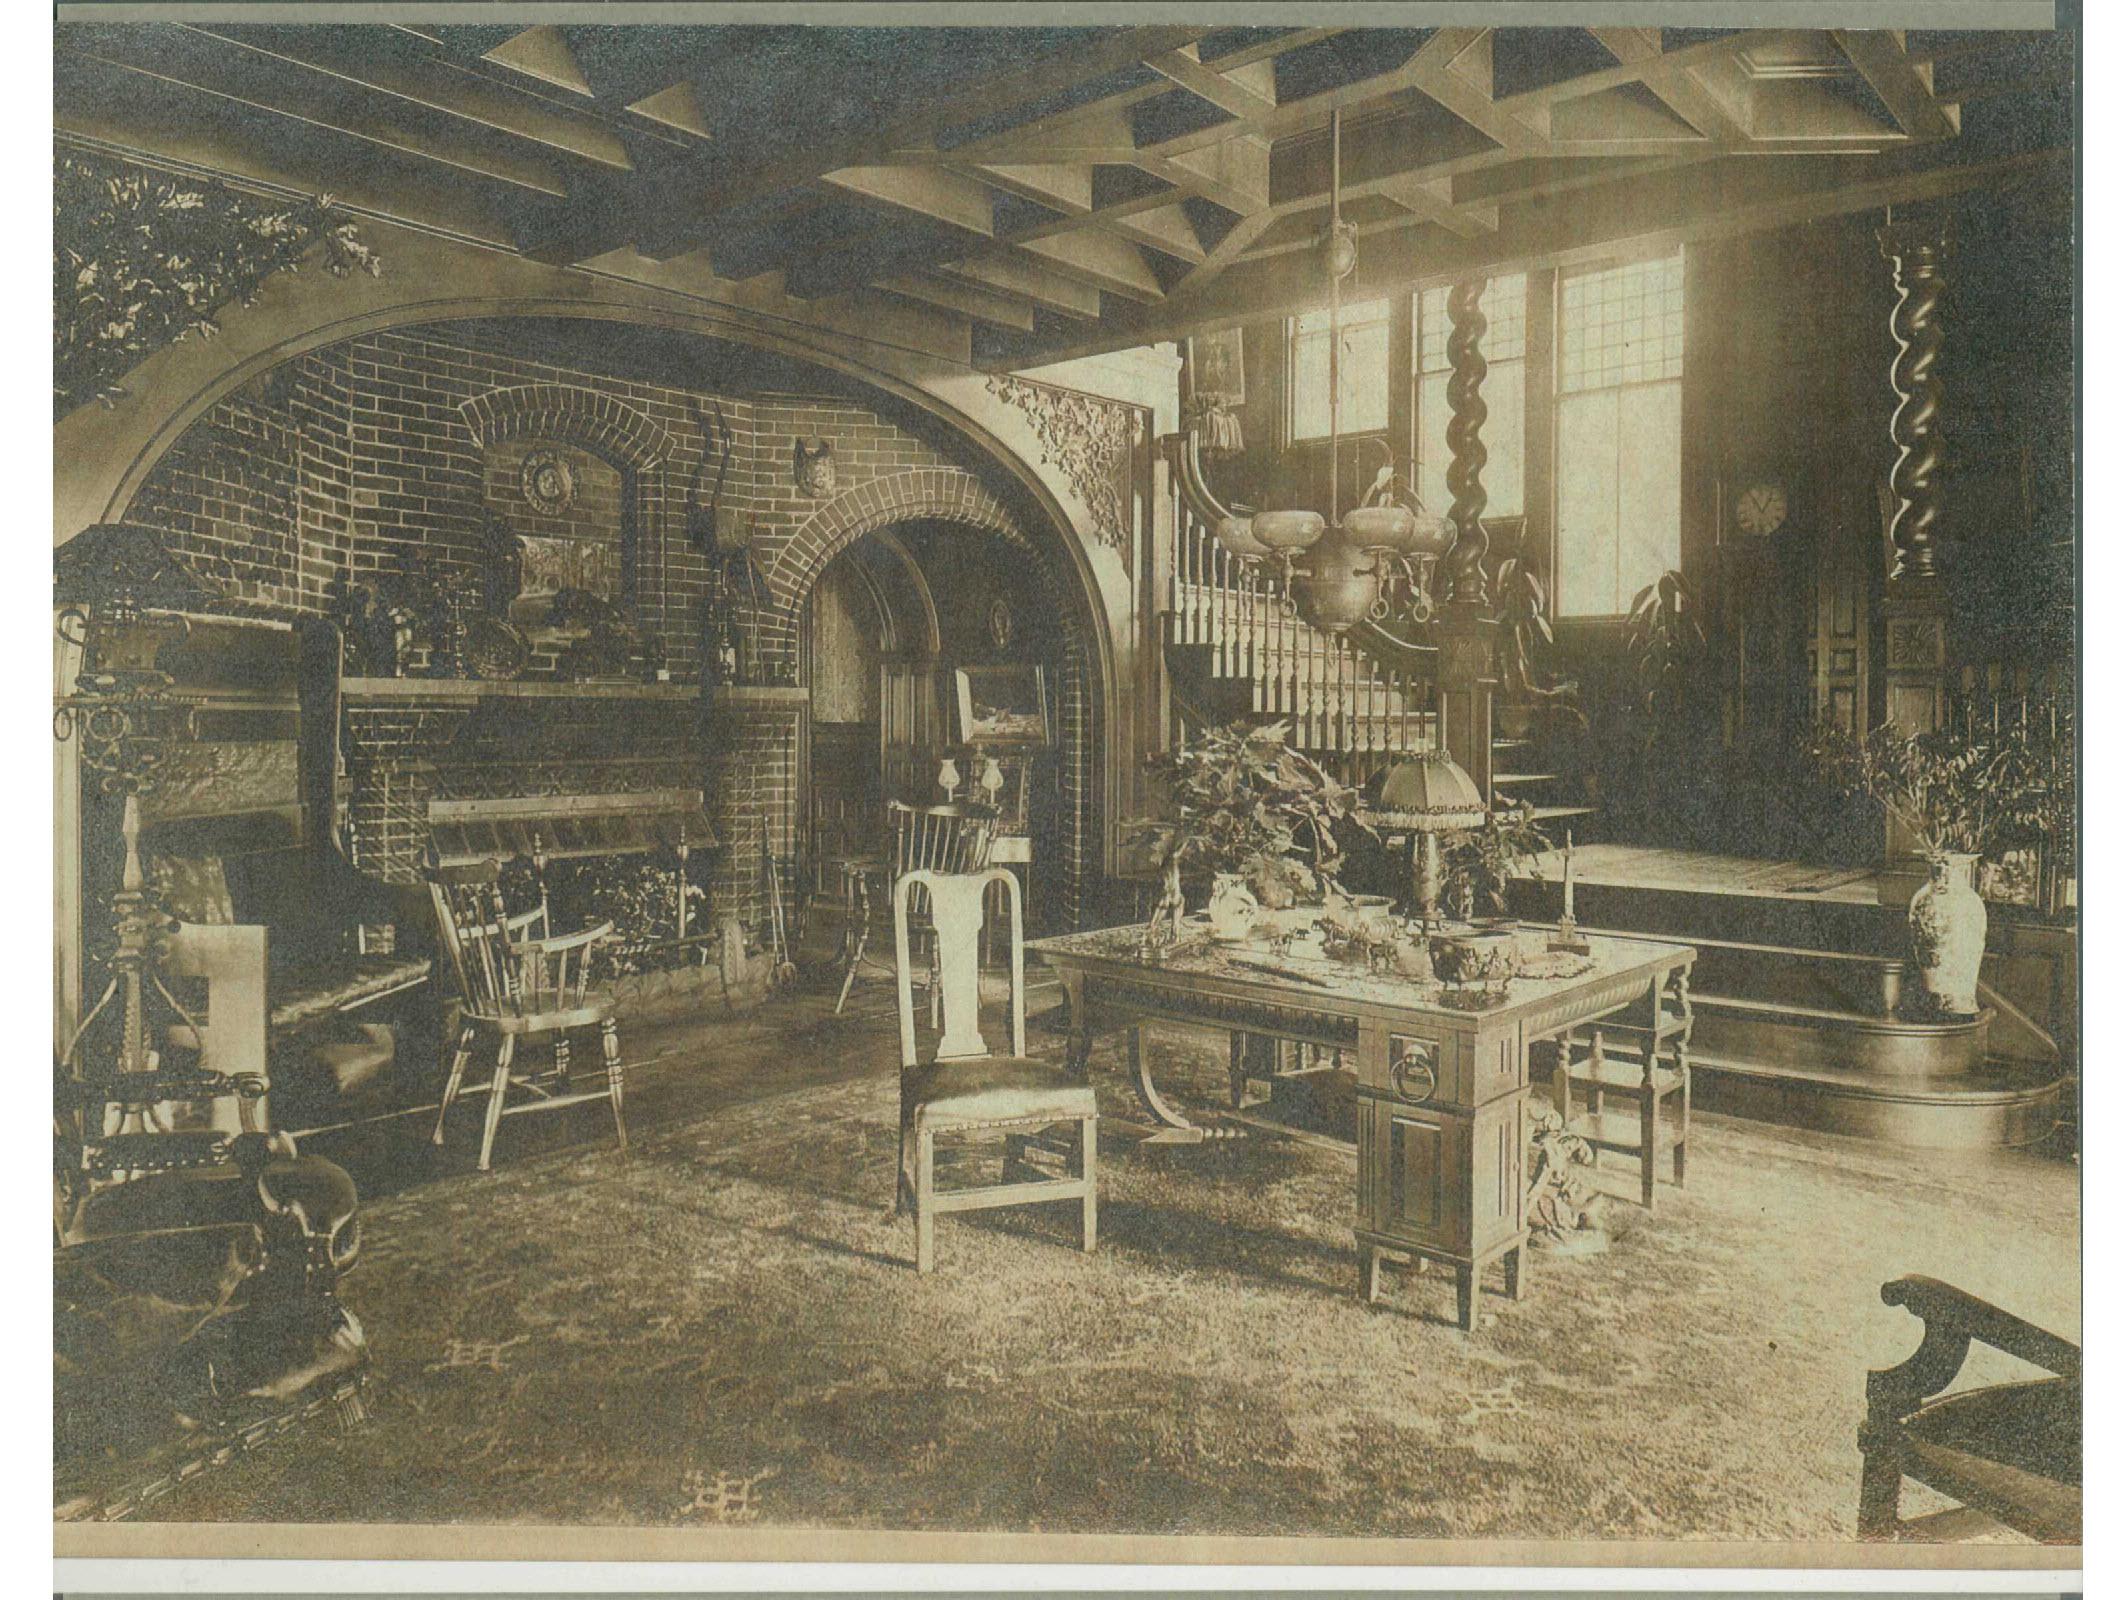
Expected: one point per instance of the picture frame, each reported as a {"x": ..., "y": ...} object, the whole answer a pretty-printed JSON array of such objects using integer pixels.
[
  {"x": 1002, "y": 705},
  {"x": 1216, "y": 376}
]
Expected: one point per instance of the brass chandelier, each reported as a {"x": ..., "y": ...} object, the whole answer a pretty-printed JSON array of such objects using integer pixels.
[{"x": 1367, "y": 563}]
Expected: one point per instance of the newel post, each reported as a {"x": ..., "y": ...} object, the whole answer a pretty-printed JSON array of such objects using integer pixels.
[
  {"x": 1466, "y": 628},
  {"x": 1916, "y": 608}
]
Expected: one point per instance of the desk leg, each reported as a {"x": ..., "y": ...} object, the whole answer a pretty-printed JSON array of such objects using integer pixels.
[
  {"x": 1079, "y": 1030},
  {"x": 1513, "y": 1264},
  {"x": 1175, "y": 1128},
  {"x": 1370, "y": 1274},
  {"x": 1467, "y": 1298}
]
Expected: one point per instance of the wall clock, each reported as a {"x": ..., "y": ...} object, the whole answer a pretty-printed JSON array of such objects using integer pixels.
[{"x": 1761, "y": 508}]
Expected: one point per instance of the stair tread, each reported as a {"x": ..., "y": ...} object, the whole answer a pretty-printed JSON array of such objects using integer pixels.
[
  {"x": 1555, "y": 813},
  {"x": 1995, "y": 1078},
  {"x": 1714, "y": 1001},
  {"x": 1523, "y": 777}
]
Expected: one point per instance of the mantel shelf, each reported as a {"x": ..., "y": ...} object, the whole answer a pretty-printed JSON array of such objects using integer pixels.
[
  {"x": 739, "y": 696},
  {"x": 468, "y": 691}
]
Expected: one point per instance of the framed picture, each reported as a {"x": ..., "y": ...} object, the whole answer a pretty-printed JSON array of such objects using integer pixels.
[
  {"x": 1215, "y": 367},
  {"x": 1002, "y": 705}
]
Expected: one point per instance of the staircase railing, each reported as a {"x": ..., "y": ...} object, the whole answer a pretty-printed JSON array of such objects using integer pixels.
[{"x": 1345, "y": 709}]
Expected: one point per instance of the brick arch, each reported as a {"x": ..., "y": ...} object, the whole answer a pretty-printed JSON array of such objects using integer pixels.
[
  {"x": 634, "y": 442},
  {"x": 945, "y": 493},
  {"x": 560, "y": 411},
  {"x": 950, "y": 495}
]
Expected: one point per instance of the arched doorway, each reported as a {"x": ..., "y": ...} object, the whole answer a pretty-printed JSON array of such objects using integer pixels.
[{"x": 905, "y": 634}]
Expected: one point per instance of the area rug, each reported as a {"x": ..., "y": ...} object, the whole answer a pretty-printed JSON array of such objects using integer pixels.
[{"x": 726, "y": 1329}]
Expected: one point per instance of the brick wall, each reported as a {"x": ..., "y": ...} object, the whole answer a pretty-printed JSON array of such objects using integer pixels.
[{"x": 385, "y": 455}]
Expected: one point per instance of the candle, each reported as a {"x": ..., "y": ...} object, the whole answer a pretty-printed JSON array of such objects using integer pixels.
[{"x": 1569, "y": 908}]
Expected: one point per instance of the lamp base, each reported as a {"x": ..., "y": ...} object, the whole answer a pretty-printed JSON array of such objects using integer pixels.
[{"x": 1569, "y": 940}]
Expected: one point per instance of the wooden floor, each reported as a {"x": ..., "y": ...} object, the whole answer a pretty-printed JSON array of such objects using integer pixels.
[{"x": 1648, "y": 867}]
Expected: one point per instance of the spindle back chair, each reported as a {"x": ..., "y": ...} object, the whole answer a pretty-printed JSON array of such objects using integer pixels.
[{"x": 516, "y": 982}]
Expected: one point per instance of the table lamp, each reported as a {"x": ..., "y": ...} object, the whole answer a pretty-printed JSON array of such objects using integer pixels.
[{"x": 1428, "y": 794}]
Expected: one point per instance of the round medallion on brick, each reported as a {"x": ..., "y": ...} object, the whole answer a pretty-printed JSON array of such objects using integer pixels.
[{"x": 548, "y": 483}]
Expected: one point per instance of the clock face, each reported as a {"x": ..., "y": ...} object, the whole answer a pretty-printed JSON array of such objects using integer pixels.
[{"x": 1762, "y": 508}]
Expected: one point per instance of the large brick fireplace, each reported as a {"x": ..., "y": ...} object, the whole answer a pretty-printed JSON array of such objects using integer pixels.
[{"x": 394, "y": 458}]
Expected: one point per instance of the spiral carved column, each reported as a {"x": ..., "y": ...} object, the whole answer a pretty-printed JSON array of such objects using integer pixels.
[
  {"x": 1464, "y": 631},
  {"x": 1918, "y": 260},
  {"x": 1466, "y": 444},
  {"x": 1916, "y": 610}
]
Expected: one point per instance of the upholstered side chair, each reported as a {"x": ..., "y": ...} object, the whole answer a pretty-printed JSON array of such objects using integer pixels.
[{"x": 963, "y": 1087}]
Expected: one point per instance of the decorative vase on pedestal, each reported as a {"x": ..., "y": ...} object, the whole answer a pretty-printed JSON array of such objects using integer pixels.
[
  {"x": 1948, "y": 923},
  {"x": 1233, "y": 909}
]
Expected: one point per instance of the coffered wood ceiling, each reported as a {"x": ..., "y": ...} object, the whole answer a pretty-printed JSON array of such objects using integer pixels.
[{"x": 1067, "y": 190}]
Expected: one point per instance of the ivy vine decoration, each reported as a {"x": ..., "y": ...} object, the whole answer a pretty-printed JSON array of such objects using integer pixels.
[{"x": 141, "y": 261}]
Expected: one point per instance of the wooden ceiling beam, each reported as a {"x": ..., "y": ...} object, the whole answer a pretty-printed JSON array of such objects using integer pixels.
[
  {"x": 1061, "y": 70},
  {"x": 1044, "y": 287},
  {"x": 393, "y": 63},
  {"x": 1907, "y": 87},
  {"x": 1229, "y": 92},
  {"x": 1455, "y": 67},
  {"x": 1069, "y": 186},
  {"x": 938, "y": 193},
  {"x": 1674, "y": 85},
  {"x": 969, "y": 299},
  {"x": 136, "y": 120},
  {"x": 250, "y": 86},
  {"x": 1100, "y": 259},
  {"x": 1660, "y": 211}
]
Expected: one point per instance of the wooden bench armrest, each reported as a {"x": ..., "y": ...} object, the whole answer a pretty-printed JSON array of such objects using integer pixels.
[{"x": 1951, "y": 1320}]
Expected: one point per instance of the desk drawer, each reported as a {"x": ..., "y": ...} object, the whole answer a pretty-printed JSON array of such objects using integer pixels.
[{"x": 1447, "y": 1067}]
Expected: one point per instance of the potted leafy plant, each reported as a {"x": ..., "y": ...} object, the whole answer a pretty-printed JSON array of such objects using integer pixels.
[
  {"x": 1962, "y": 800},
  {"x": 1520, "y": 611},
  {"x": 1477, "y": 863},
  {"x": 1243, "y": 804}
]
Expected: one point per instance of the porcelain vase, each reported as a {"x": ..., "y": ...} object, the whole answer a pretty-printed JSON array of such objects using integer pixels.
[
  {"x": 1948, "y": 924},
  {"x": 1233, "y": 908}
]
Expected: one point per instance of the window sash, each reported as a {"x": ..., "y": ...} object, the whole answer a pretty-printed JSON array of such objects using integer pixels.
[{"x": 1362, "y": 377}]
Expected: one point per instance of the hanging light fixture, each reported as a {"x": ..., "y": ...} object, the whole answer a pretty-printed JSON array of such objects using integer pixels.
[{"x": 1362, "y": 563}]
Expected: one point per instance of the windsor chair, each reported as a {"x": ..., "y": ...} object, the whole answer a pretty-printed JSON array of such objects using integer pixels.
[
  {"x": 942, "y": 838},
  {"x": 518, "y": 983},
  {"x": 964, "y": 1088}
]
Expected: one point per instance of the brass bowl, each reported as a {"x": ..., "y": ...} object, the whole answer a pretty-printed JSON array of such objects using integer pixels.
[{"x": 1287, "y": 530}]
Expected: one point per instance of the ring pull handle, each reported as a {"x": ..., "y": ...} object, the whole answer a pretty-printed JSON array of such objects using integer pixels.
[{"x": 1413, "y": 1075}]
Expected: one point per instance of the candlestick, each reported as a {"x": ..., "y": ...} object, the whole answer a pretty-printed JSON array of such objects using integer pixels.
[{"x": 1570, "y": 875}]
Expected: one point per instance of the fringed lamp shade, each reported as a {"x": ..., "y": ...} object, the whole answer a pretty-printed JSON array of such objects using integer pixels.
[{"x": 1430, "y": 795}]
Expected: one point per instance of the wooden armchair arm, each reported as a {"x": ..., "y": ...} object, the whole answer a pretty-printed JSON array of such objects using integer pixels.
[
  {"x": 1951, "y": 1320},
  {"x": 560, "y": 943}
]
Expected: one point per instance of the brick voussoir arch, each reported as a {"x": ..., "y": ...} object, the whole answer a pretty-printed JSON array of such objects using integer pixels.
[
  {"x": 562, "y": 411},
  {"x": 947, "y": 493}
]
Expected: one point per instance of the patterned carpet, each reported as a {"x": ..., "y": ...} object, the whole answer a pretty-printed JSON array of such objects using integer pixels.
[{"x": 726, "y": 1329}]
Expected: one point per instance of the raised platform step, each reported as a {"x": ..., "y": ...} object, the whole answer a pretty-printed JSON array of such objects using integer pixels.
[
  {"x": 1847, "y": 1043},
  {"x": 1998, "y": 1105}
]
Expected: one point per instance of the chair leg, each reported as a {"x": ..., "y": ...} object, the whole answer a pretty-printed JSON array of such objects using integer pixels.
[
  {"x": 459, "y": 1057},
  {"x": 616, "y": 1078},
  {"x": 926, "y": 1248},
  {"x": 1878, "y": 1515},
  {"x": 1649, "y": 1123},
  {"x": 495, "y": 1097},
  {"x": 1089, "y": 1163},
  {"x": 1684, "y": 1116},
  {"x": 561, "y": 1056}
]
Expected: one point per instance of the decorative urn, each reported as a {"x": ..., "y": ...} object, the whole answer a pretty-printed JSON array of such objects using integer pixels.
[{"x": 1947, "y": 922}]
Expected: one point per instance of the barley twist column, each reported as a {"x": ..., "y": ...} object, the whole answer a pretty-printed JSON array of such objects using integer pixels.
[
  {"x": 1918, "y": 260},
  {"x": 1465, "y": 631},
  {"x": 1916, "y": 608},
  {"x": 1466, "y": 444}
]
